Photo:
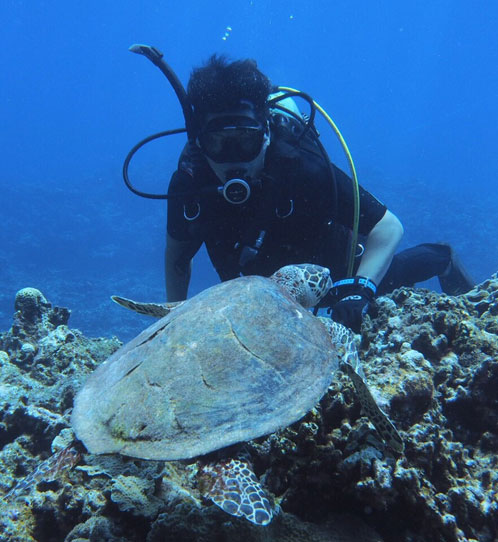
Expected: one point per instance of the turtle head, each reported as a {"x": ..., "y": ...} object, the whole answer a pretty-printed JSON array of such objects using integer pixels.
[{"x": 307, "y": 283}]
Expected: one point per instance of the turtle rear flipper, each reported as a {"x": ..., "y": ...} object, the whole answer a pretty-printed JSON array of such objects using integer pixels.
[
  {"x": 157, "y": 310},
  {"x": 233, "y": 486},
  {"x": 48, "y": 470}
]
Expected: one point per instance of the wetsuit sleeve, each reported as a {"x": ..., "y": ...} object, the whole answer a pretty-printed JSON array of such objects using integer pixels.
[{"x": 371, "y": 209}]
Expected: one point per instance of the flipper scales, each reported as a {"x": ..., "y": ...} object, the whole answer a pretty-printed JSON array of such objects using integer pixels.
[
  {"x": 157, "y": 310},
  {"x": 233, "y": 486}
]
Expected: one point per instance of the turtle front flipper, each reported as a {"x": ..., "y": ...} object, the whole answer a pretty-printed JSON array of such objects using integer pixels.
[
  {"x": 375, "y": 414},
  {"x": 158, "y": 310},
  {"x": 233, "y": 486},
  {"x": 345, "y": 342}
]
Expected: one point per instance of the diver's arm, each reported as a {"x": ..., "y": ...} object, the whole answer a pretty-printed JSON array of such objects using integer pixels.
[
  {"x": 380, "y": 246},
  {"x": 178, "y": 267}
]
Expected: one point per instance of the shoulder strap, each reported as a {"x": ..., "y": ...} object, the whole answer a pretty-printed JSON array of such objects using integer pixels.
[{"x": 291, "y": 134}]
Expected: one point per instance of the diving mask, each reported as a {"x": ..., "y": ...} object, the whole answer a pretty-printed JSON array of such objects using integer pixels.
[{"x": 232, "y": 138}]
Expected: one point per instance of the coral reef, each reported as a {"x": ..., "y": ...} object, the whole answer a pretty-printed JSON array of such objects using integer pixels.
[{"x": 431, "y": 361}]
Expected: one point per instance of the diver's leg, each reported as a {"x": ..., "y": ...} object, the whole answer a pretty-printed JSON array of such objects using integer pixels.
[
  {"x": 455, "y": 280},
  {"x": 423, "y": 262}
]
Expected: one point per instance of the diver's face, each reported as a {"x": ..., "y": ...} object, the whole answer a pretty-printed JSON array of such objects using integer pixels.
[{"x": 234, "y": 140}]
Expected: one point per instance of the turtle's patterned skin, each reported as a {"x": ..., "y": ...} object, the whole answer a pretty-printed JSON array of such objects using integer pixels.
[{"x": 232, "y": 485}]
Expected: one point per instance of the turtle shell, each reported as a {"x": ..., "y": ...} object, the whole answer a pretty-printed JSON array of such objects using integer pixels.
[{"x": 240, "y": 360}]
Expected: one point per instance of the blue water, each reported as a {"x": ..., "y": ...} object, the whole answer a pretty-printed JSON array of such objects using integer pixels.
[{"x": 413, "y": 87}]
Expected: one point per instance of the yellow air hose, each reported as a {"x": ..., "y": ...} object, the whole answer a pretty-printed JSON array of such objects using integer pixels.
[{"x": 356, "y": 190}]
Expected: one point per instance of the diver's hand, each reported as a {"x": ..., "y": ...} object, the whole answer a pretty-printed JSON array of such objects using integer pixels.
[
  {"x": 355, "y": 296},
  {"x": 350, "y": 311}
]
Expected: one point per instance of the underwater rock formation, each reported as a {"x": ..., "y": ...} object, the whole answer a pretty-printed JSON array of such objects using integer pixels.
[{"x": 431, "y": 361}]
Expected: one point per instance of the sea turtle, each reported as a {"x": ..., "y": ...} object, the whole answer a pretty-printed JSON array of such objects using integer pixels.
[{"x": 240, "y": 360}]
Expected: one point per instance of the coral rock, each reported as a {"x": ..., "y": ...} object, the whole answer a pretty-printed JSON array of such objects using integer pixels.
[{"x": 431, "y": 361}]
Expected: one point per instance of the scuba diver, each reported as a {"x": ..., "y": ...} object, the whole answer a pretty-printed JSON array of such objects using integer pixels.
[{"x": 255, "y": 185}]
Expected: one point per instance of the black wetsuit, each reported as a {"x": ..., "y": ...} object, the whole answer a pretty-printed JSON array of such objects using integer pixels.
[
  {"x": 294, "y": 204},
  {"x": 304, "y": 206}
]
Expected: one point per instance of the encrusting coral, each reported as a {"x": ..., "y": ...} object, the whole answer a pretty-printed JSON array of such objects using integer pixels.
[{"x": 431, "y": 361}]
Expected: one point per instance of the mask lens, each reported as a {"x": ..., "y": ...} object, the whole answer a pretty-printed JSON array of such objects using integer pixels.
[{"x": 232, "y": 144}]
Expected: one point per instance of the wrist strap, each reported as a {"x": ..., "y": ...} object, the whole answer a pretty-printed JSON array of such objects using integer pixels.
[{"x": 364, "y": 282}]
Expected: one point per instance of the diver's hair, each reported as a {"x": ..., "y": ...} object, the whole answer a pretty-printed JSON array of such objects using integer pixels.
[{"x": 220, "y": 85}]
